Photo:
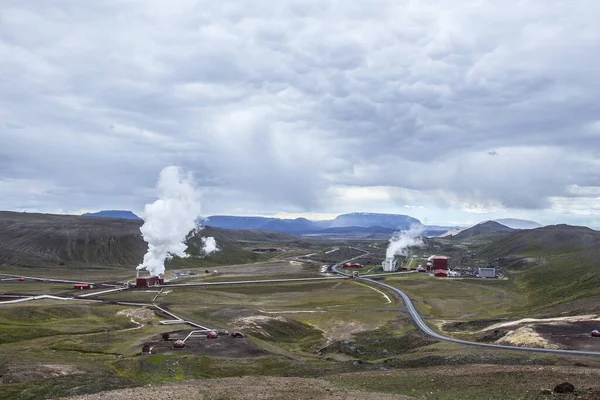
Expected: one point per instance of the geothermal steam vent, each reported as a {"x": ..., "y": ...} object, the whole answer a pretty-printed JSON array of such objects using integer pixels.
[{"x": 168, "y": 221}]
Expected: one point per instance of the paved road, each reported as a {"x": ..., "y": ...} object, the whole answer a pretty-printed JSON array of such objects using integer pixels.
[{"x": 430, "y": 332}]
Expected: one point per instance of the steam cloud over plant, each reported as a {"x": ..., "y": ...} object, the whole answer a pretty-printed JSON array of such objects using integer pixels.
[
  {"x": 402, "y": 240},
  {"x": 169, "y": 220},
  {"x": 209, "y": 245}
]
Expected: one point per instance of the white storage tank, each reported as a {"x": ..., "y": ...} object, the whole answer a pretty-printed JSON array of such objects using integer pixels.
[{"x": 487, "y": 272}]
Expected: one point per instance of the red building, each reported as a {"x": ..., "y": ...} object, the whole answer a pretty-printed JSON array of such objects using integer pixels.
[
  {"x": 353, "y": 265},
  {"x": 439, "y": 262},
  {"x": 148, "y": 281}
]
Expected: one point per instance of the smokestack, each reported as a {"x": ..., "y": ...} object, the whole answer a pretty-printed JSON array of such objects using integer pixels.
[{"x": 169, "y": 220}]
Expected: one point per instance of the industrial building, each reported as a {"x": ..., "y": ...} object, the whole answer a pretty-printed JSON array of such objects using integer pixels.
[
  {"x": 147, "y": 281},
  {"x": 437, "y": 262},
  {"x": 389, "y": 265},
  {"x": 488, "y": 272}
]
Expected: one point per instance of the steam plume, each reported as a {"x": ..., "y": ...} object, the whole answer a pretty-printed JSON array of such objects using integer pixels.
[
  {"x": 169, "y": 219},
  {"x": 402, "y": 240},
  {"x": 209, "y": 245}
]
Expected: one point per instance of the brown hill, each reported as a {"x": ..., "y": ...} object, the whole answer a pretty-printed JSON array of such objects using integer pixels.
[
  {"x": 489, "y": 228},
  {"x": 29, "y": 239}
]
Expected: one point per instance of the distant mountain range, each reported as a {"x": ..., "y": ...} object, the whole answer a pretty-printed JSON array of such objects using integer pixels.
[
  {"x": 354, "y": 224},
  {"x": 113, "y": 214},
  {"x": 342, "y": 223}
]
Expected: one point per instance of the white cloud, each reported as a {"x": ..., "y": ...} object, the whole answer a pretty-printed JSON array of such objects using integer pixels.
[{"x": 303, "y": 106}]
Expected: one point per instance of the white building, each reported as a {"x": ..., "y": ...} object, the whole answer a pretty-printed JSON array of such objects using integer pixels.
[
  {"x": 389, "y": 265},
  {"x": 487, "y": 272}
]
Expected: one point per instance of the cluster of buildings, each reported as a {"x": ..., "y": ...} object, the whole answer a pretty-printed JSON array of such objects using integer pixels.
[{"x": 438, "y": 266}]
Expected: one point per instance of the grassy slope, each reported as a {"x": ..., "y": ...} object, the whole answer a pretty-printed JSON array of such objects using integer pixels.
[
  {"x": 463, "y": 299},
  {"x": 24, "y": 321},
  {"x": 567, "y": 270}
]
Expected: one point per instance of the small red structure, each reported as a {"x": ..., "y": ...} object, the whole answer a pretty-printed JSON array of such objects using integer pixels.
[
  {"x": 148, "y": 281},
  {"x": 21, "y": 279},
  {"x": 441, "y": 273},
  {"x": 595, "y": 333},
  {"x": 211, "y": 335},
  {"x": 82, "y": 286},
  {"x": 179, "y": 344},
  {"x": 352, "y": 265},
  {"x": 237, "y": 334}
]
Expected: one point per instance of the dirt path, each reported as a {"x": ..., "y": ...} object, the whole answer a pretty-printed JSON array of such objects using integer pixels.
[{"x": 574, "y": 318}]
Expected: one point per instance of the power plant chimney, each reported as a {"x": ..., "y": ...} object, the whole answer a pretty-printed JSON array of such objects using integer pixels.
[{"x": 389, "y": 265}]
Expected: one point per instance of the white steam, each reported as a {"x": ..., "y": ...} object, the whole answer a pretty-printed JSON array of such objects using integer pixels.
[
  {"x": 209, "y": 245},
  {"x": 402, "y": 240},
  {"x": 169, "y": 220}
]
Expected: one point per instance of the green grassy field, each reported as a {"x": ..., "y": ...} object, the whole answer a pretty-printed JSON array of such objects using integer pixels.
[
  {"x": 35, "y": 288},
  {"x": 463, "y": 299},
  {"x": 275, "y": 269},
  {"x": 353, "y": 334},
  {"x": 352, "y": 323}
]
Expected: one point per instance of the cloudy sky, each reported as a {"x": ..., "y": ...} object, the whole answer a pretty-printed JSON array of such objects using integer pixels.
[{"x": 452, "y": 112}]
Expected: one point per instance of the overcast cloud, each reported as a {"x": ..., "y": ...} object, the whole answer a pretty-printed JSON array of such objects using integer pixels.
[{"x": 447, "y": 111}]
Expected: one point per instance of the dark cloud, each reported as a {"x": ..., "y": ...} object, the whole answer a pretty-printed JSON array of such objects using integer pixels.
[{"x": 286, "y": 106}]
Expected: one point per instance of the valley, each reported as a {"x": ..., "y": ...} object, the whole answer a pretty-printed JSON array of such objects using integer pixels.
[{"x": 345, "y": 334}]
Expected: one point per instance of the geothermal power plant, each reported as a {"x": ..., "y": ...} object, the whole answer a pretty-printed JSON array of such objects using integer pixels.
[{"x": 438, "y": 265}]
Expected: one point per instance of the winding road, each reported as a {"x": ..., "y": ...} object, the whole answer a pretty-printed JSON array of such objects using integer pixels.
[{"x": 418, "y": 320}]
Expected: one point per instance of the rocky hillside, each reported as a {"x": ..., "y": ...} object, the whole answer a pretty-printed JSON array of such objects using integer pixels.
[{"x": 45, "y": 240}]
